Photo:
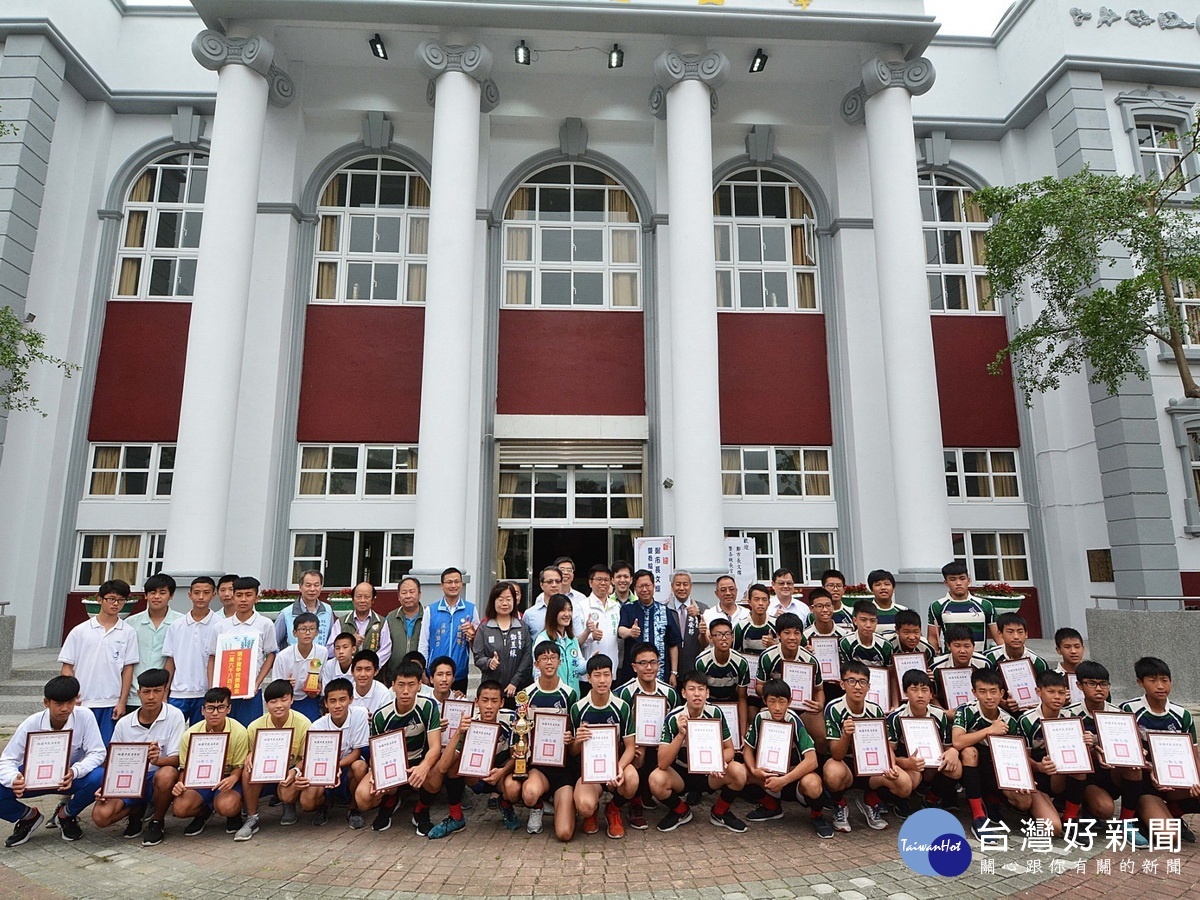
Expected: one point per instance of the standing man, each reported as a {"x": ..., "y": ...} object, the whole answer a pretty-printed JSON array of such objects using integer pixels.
[
  {"x": 961, "y": 607},
  {"x": 309, "y": 601},
  {"x": 185, "y": 651},
  {"x": 604, "y": 614},
  {"x": 651, "y": 622},
  {"x": 727, "y": 604},
  {"x": 785, "y": 600},
  {"x": 448, "y": 628},
  {"x": 150, "y": 626},
  {"x": 366, "y": 625},
  {"x": 690, "y": 615},
  {"x": 552, "y": 582},
  {"x": 404, "y": 625},
  {"x": 883, "y": 585},
  {"x": 623, "y": 582},
  {"x": 566, "y": 566}
]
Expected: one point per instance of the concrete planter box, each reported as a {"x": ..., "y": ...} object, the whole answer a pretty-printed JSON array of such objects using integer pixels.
[
  {"x": 8, "y": 633},
  {"x": 1119, "y": 637}
]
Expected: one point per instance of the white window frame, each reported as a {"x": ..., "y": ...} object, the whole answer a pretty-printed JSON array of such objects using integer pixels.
[
  {"x": 812, "y": 563},
  {"x": 729, "y": 229},
  {"x": 970, "y": 557},
  {"x": 968, "y": 232},
  {"x": 956, "y": 456},
  {"x": 572, "y": 474},
  {"x": 300, "y": 563},
  {"x": 774, "y": 473},
  {"x": 158, "y": 466},
  {"x": 361, "y": 471},
  {"x": 1157, "y": 158},
  {"x": 149, "y": 561}
]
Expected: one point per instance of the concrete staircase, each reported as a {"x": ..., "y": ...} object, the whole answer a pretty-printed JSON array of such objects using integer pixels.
[{"x": 21, "y": 693}]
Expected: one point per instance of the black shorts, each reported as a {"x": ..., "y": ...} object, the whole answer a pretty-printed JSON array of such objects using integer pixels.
[
  {"x": 1105, "y": 780},
  {"x": 862, "y": 783},
  {"x": 1042, "y": 782},
  {"x": 560, "y": 776},
  {"x": 692, "y": 782}
]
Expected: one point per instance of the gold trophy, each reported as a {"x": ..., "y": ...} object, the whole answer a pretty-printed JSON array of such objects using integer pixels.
[
  {"x": 312, "y": 682},
  {"x": 520, "y": 749}
]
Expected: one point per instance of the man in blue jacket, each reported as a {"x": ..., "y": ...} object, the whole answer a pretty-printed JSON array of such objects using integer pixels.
[{"x": 448, "y": 628}]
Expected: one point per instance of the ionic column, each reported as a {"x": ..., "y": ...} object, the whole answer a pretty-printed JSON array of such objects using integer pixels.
[
  {"x": 884, "y": 99},
  {"x": 459, "y": 89},
  {"x": 248, "y": 81},
  {"x": 686, "y": 96}
]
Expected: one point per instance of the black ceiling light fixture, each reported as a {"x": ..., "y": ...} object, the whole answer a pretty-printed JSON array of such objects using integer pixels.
[
  {"x": 616, "y": 57},
  {"x": 522, "y": 54},
  {"x": 377, "y": 48},
  {"x": 759, "y": 62}
]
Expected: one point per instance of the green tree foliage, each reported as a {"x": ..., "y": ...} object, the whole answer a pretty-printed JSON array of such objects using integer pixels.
[
  {"x": 1068, "y": 241},
  {"x": 20, "y": 347}
]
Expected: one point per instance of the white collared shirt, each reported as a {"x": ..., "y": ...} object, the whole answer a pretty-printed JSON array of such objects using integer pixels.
[
  {"x": 378, "y": 696},
  {"x": 356, "y": 730},
  {"x": 87, "y": 747},
  {"x": 98, "y": 657},
  {"x": 608, "y": 614},
  {"x": 333, "y": 669},
  {"x": 741, "y": 614},
  {"x": 291, "y": 666},
  {"x": 187, "y": 643},
  {"x": 167, "y": 731},
  {"x": 257, "y": 623},
  {"x": 797, "y": 606}
]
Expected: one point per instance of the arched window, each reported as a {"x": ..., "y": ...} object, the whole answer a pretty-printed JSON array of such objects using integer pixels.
[
  {"x": 161, "y": 235},
  {"x": 372, "y": 234},
  {"x": 572, "y": 238},
  {"x": 766, "y": 243},
  {"x": 955, "y": 229}
]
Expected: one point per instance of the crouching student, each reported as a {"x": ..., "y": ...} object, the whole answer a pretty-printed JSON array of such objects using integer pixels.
[
  {"x": 84, "y": 773},
  {"x": 671, "y": 781},
  {"x": 489, "y": 698},
  {"x": 157, "y": 723},
  {"x": 973, "y": 724},
  {"x": 278, "y": 699},
  {"x": 1053, "y": 692},
  {"x": 199, "y": 804},
  {"x": 645, "y": 760},
  {"x": 801, "y": 781},
  {"x": 936, "y": 784},
  {"x": 839, "y": 774},
  {"x": 601, "y": 707},
  {"x": 355, "y": 725}
]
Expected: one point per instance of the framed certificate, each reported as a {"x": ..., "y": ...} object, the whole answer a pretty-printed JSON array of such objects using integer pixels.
[
  {"x": 733, "y": 720},
  {"x": 706, "y": 747},
  {"x": 1119, "y": 740},
  {"x": 827, "y": 650},
  {"x": 549, "y": 740},
  {"x": 800, "y": 677},
  {"x": 270, "y": 756},
  {"x": 906, "y": 662},
  {"x": 1021, "y": 682},
  {"x": 871, "y": 751},
  {"x": 1073, "y": 687},
  {"x": 880, "y": 690},
  {"x": 598, "y": 758},
  {"x": 205, "y": 760},
  {"x": 774, "y": 746},
  {"x": 922, "y": 739},
  {"x": 235, "y": 666},
  {"x": 956, "y": 685},
  {"x": 1065, "y": 745},
  {"x": 1010, "y": 758},
  {"x": 125, "y": 770},
  {"x": 389, "y": 760},
  {"x": 649, "y": 710},
  {"x": 47, "y": 756},
  {"x": 478, "y": 750},
  {"x": 1174, "y": 758},
  {"x": 453, "y": 713},
  {"x": 322, "y": 751},
  {"x": 752, "y": 663}
]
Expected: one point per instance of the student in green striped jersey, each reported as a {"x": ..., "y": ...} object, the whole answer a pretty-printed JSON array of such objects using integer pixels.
[
  {"x": 974, "y": 723},
  {"x": 961, "y": 655},
  {"x": 939, "y": 783},
  {"x": 770, "y": 665},
  {"x": 821, "y": 621},
  {"x": 755, "y": 636},
  {"x": 601, "y": 707},
  {"x": 961, "y": 607},
  {"x": 726, "y": 671},
  {"x": 883, "y": 586},
  {"x": 645, "y": 760},
  {"x": 866, "y": 645},
  {"x": 835, "y": 582},
  {"x": 550, "y": 693},
  {"x": 1051, "y": 785},
  {"x": 1013, "y": 635},
  {"x": 907, "y": 638}
]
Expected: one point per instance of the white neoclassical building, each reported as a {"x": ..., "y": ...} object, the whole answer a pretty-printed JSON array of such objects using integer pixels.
[{"x": 386, "y": 286}]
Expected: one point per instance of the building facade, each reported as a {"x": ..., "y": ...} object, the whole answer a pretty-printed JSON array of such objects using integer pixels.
[{"x": 359, "y": 286}]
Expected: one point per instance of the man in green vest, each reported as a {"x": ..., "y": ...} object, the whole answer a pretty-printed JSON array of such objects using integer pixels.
[
  {"x": 366, "y": 625},
  {"x": 403, "y": 626}
]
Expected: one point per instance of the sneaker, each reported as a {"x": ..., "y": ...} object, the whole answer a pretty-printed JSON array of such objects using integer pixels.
[
  {"x": 873, "y": 815},
  {"x": 24, "y": 828},
  {"x": 534, "y": 825},
  {"x": 761, "y": 814},
  {"x": 1140, "y": 841},
  {"x": 637, "y": 818},
  {"x": 616, "y": 829},
  {"x": 248, "y": 830},
  {"x": 511, "y": 820},
  {"x": 841, "y": 819},
  {"x": 673, "y": 820},
  {"x": 591, "y": 824},
  {"x": 133, "y": 825},
  {"x": 383, "y": 819},
  {"x": 52, "y": 822},
  {"x": 446, "y": 827},
  {"x": 822, "y": 827},
  {"x": 154, "y": 833},
  {"x": 650, "y": 803},
  {"x": 274, "y": 801},
  {"x": 900, "y": 809},
  {"x": 354, "y": 819},
  {"x": 196, "y": 826},
  {"x": 978, "y": 825},
  {"x": 493, "y": 802},
  {"x": 320, "y": 817},
  {"x": 422, "y": 823},
  {"x": 289, "y": 816},
  {"x": 1186, "y": 834},
  {"x": 69, "y": 829},
  {"x": 728, "y": 820},
  {"x": 233, "y": 824}
]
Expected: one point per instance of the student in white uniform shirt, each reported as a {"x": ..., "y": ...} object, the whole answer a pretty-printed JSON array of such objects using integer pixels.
[
  {"x": 727, "y": 606},
  {"x": 354, "y": 723},
  {"x": 300, "y": 663},
  {"x": 338, "y": 665},
  {"x": 185, "y": 650},
  {"x": 157, "y": 723},
  {"x": 368, "y": 693}
]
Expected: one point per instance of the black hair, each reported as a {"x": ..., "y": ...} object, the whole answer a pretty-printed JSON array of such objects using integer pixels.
[
  {"x": 832, "y": 573},
  {"x": 159, "y": 581},
  {"x": 218, "y": 695},
  {"x": 1009, "y": 618},
  {"x": 305, "y": 618},
  {"x": 442, "y": 661},
  {"x": 788, "y": 620},
  {"x": 758, "y": 587},
  {"x": 114, "y": 586},
  {"x": 599, "y": 661},
  {"x": 1066, "y": 634},
  {"x": 277, "y": 690},
  {"x": 61, "y": 689},
  {"x": 339, "y": 684},
  {"x": 449, "y": 570},
  {"x": 414, "y": 656},
  {"x": 564, "y": 559},
  {"x": 555, "y": 606},
  {"x": 154, "y": 678},
  {"x": 954, "y": 568},
  {"x": 344, "y": 636},
  {"x": 1091, "y": 670},
  {"x": 644, "y": 647},
  {"x": 854, "y": 667},
  {"x": 622, "y": 564},
  {"x": 368, "y": 655},
  {"x": 865, "y": 606},
  {"x": 721, "y": 578},
  {"x": 692, "y": 677},
  {"x": 1150, "y": 666},
  {"x": 908, "y": 617},
  {"x": 957, "y": 631},
  {"x": 916, "y": 678},
  {"x": 408, "y": 669},
  {"x": 1050, "y": 678},
  {"x": 777, "y": 687},
  {"x": 599, "y": 569},
  {"x": 374, "y": 593},
  {"x": 642, "y": 573},
  {"x": 779, "y": 573},
  {"x": 719, "y": 620},
  {"x": 247, "y": 583},
  {"x": 817, "y": 593},
  {"x": 489, "y": 684},
  {"x": 204, "y": 579},
  {"x": 544, "y": 647},
  {"x": 987, "y": 676},
  {"x": 878, "y": 575},
  {"x": 227, "y": 579}
]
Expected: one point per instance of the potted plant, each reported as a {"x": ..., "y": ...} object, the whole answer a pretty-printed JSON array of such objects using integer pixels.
[{"x": 1003, "y": 596}]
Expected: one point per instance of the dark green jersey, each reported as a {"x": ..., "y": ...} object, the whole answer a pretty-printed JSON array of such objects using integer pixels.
[
  {"x": 748, "y": 637},
  {"x": 770, "y": 664},
  {"x": 969, "y": 717},
  {"x": 1174, "y": 718},
  {"x": 725, "y": 678},
  {"x": 837, "y": 712},
  {"x": 923, "y": 647},
  {"x": 998, "y": 654},
  {"x": 560, "y": 699},
  {"x": 1080, "y": 711},
  {"x": 877, "y": 653},
  {"x": 615, "y": 712},
  {"x": 802, "y": 741},
  {"x": 1030, "y": 727},
  {"x": 887, "y": 619},
  {"x": 896, "y": 733},
  {"x": 633, "y": 687},
  {"x": 973, "y": 612},
  {"x": 839, "y": 632},
  {"x": 416, "y": 724},
  {"x": 671, "y": 729}
]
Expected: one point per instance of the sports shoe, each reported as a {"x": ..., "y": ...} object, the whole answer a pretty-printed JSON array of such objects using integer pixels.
[
  {"x": 728, "y": 820},
  {"x": 900, "y": 809},
  {"x": 822, "y": 827},
  {"x": 511, "y": 820},
  {"x": 133, "y": 825},
  {"x": 422, "y": 823},
  {"x": 1140, "y": 841},
  {"x": 248, "y": 830},
  {"x": 761, "y": 814},
  {"x": 153, "y": 835},
  {"x": 534, "y": 825},
  {"x": 637, "y": 818},
  {"x": 383, "y": 819},
  {"x": 320, "y": 817},
  {"x": 355, "y": 819},
  {"x": 591, "y": 824},
  {"x": 673, "y": 820},
  {"x": 24, "y": 828},
  {"x": 872, "y": 814},
  {"x": 1186, "y": 834},
  {"x": 233, "y": 824},
  {"x": 446, "y": 827},
  {"x": 650, "y": 803},
  {"x": 52, "y": 822},
  {"x": 841, "y": 818},
  {"x": 196, "y": 826},
  {"x": 289, "y": 816},
  {"x": 69, "y": 829},
  {"x": 616, "y": 829},
  {"x": 978, "y": 825},
  {"x": 493, "y": 802}
]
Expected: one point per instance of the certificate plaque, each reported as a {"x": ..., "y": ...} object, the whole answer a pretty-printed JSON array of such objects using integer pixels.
[
  {"x": 205, "y": 760},
  {"x": 549, "y": 740},
  {"x": 1020, "y": 681},
  {"x": 1065, "y": 745},
  {"x": 733, "y": 720},
  {"x": 907, "y": 662},
  {"x": 827, "y": 650},
  {"x": 47, "y": 756},
  {"x": 125, "y": 770},
  {"x": 800, "y": 677},
  {"x": 706, "y": 747},
  {"x": 478, "y": 750},
  {"x": 752, "y": 664},
  {"x": 1120, "y": 741},
  {"x": 879, "y": 691},
  {"x": 1073, "y": 687},
  {"x": 322, "y": 751},
  {"x": 1174, "y": 758},
  {"x": 774, "y": 750},
  {"x": 871, "y": 756},
  {"x": 922, "y": 739},
  {"x": 1010, "y": 758},
  {"x": 956, "y": 685},
  {"x": 649, "y": 710},
  {"x": 599, "y": 755},
  {"x": 389, "y": 760},
  {"x": 453, "y": 714},
  {"x": 271, "y": 755}
]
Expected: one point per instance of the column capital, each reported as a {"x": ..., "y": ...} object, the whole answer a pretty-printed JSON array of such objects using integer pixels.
[
  {"x": 435, "y": 59},
  {"x": 214, "y": 51},
  {"x": 915, "y": 76},
  {"x": 672, "y": 67}
]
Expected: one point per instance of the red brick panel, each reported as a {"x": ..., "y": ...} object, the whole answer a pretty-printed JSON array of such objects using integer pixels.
[{"x": 978, "y": 409}]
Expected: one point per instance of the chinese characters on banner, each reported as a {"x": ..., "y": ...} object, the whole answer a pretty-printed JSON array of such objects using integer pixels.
[
  {"x": 234, "y": 669},
  {"x": 658, "y": 555},
  {"x": 739, "y": 558}
]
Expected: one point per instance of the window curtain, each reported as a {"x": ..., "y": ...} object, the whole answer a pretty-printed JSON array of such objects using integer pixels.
[
  {"x": 624, "y": 289},
  {"x": 620, "y": 207},
  {"x": 418, "y": 192},
  {"x": 330, "y": 227},
  {"x": 521, "y": 206},
  {"x": 731, "y": 478},
  {"x": 417, "y": 273},
  {"x": 504, "y": 510},
  {"x": 105, "y": 482},
  {"x": 312, "y": 470},
  {"x": 1004, "y": 474},
  {"x": 633, "y": 487},
  {"x": 816, "y": 483},
  {"x": 410, "y": 476},
  {"x": 143, "y": 189}
]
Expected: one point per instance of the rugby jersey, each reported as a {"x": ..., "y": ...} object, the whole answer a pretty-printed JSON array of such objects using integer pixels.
[
  {"x": 878, "y": 653},
  {"x": 615, "y": 712},
  {"x": 946, "y": 661},
  {"x": 671, "y": 729},
  {"x": 973, "y": 612},
  {"x": 770, "y": 664},
  {"x": 748, "y": 637},
  {"x": 1030, "y": 726},
  {"x": 725, "y": 678},
  {"x": 802, "y": 741},
  {"x": 887, "y": 619},
  {"x": 633, "y": 687},
  {"x": 999, "y": 654},
  {"x": 560, "y": 699},
  {"x": 896, "y": 734},
  {"x": 1080, "y": 711},
  {"x": 839, "y": 632},
  {"x": 837, "y": 712},
  {"x": 923, "y": 647},
  {"x": 416, "y": 723},
  {"x": 1174, "y": 718},
  {"x": 969, "y": 717}
]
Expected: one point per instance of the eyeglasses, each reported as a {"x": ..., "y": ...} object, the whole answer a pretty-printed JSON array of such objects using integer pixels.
[
  {"x": 1092, "y": 682},
  {"x": 551, "y": 581},
  {"x": 211, "y": 708},
  {"x": 721, "y": 635},
  {"x": 111, "y": 599},
  {"x": 645, "y": 662},
  {"x": 856, "y": 682}
]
